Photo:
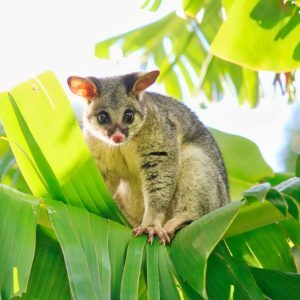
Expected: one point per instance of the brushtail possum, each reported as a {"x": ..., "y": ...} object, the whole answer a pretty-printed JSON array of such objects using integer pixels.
[{"x": 161, "y": 164}]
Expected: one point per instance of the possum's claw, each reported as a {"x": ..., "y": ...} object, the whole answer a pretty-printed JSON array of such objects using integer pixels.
[{"x": 153, "y": 230}]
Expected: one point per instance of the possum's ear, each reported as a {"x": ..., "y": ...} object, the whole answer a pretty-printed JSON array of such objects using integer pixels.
[
  {"x": 144, "y": 81},
  {"x": 83, "y": 87}
]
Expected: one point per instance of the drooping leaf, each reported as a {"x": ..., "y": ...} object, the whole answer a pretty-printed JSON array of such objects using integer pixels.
[
  {"x": 225, "y": 273},
  {"x": 74, "y": 246},
  {"x": 132, "y": 268},
  {"x": 18, "y": 219},
  {"x": 153, "y": 271},
  {"x": 193, "y": 244},
  {"x": 168, "y": 288},
  {"x": 265, "y": 247},
  {"x": 84, "y": 241},
  {"x": 277, "y": 285},
  {"x": 283, "y": 196},
  {"x": 218, "y": 276},
  {"x": 286, "y": 197},
  {"x": 48, "y": 278},
  {"x": 293, "y": 207},
  {"x": 292, "y": 227},
  {"x": 290, "y": 187},
  {"x": 257, "y": 192},
  {"x": 275, "y": 197},
  {"x": 136, "y": 39},
  {"x": 270, "y": 27},
  {"x": 242, "y": 82},
  {"x": 48, "y": 161},
  {"x": 118, "y": 240}
]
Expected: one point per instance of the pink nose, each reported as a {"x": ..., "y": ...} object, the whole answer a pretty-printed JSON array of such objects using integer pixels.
[{"x": 118, "y": 137}]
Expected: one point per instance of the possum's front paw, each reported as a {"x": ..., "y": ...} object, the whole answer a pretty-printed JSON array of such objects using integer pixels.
[{"x": 153, "y": 230}]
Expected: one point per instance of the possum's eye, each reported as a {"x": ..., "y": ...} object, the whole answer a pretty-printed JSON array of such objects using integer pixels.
[
  {"x": 103, "y": 117},
  {"x": 128, "y": 116}
]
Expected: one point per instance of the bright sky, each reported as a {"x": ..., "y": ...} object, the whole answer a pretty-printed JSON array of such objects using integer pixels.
[{"x": 60, "y": 35}]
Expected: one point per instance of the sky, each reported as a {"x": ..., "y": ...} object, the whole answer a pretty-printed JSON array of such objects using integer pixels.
[{"x": 60, "y": 36}]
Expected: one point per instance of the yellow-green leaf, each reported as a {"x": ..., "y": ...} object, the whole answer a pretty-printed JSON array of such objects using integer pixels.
[{"x": 260, "y": 35}]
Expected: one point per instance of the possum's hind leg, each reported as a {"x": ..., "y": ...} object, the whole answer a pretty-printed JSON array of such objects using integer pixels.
[
  {"x": 199, "y": 189},
  {"x": 177, "y": 222}
]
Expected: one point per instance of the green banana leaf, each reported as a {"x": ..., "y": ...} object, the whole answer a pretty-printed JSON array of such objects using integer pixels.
[
  {"x": 180, "y": 49},
  {"x": 243, "y": 160},
  {"x": 132, "y": 268},
  {"x": 260, "y": 35},
  {"x": 151, "y": 5},
  {"x": 18, "y": 219},
  {"x": 230, "y": 278},
  {"x": 152, "y": 271},
  {"x": 89, "y": 252},
  {"x": 277, "y": 285},
  {"x": 48, "y": 277},
  {"x": 193, "y": 245}
]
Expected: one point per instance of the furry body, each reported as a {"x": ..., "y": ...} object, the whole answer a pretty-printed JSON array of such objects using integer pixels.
[{"x": 168, "y": 172}]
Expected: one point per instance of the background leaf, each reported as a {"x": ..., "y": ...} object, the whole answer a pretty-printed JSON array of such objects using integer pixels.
[
  {"x": 293, "y": 229},
  {"x": 226, "y": 275},
  {"x": 193, "y": 244},
  {"x": 243, "y": 160},
  {"x": 152, "y": 5},
  {"x": 18, "y": 219},
  {"x": 277, "y": 285},
  {"x": 10, "y": 174},
  {"x": 85, "y": 244},
  {"x": 179, "y": 47},
  {"x": 270, "y": 27},
  {"x": 252, "y": 248},
  {"x": 48, "y": 260}
]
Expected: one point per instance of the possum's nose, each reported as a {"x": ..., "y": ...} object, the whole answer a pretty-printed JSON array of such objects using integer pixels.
[{"x": 118, "y": 137}]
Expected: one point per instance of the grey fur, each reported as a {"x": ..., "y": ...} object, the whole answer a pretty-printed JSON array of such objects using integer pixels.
[{"x": 169, "y": 171}]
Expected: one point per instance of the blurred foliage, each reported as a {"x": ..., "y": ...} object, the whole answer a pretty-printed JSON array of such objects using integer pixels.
[
  {"x": 292, "y": 147},
  {"x": 10, "y": 174},
  {"x": 179, "y": 44},
  {"x": 152, "y": 5},
  {"x": 270, "y": 27}
]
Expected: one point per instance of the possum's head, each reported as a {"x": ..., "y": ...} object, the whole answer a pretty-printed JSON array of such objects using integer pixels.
[{"x": 115, "y": 110}]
